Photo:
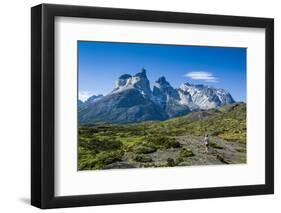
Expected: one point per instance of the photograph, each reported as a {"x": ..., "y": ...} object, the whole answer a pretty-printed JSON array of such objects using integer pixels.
[
  {"x": 134, "y": 105},
  {"x": 160, "y": 105}
]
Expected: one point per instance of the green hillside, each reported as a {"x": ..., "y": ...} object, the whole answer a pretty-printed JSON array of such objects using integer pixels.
[
  {"x": 228, "y": 122},
  {"x": 168, "y": 143}
]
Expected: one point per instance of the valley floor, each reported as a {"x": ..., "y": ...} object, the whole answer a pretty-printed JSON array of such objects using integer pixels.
[
  {"x": 220, "y": 152},
  {"x": 174, "y": 142}
]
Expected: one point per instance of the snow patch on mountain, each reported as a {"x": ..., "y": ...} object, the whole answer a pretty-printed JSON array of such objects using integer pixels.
[
  {"x": 138, "y": 81},
  {"x": 203, "y": 96}
]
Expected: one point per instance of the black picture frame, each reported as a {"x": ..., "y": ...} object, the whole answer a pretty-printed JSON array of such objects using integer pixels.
[{"x": 43, "y": 117}]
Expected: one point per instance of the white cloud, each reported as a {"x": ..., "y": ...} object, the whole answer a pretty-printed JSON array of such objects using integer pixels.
[
  {"x": 84, "y": 95},
  {"x": 202, "y": 75}
]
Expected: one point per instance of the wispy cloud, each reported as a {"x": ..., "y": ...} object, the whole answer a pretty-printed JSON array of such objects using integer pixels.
[
  {"x": 202, "y": 75},
  {"x": 84, "y": 95}
]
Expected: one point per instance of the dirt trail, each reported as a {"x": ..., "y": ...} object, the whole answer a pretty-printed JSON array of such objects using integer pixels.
[{"x": 220, "y": 152}]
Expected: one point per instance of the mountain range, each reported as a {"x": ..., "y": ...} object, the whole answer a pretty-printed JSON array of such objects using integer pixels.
[{"x": 132, "y": 100}]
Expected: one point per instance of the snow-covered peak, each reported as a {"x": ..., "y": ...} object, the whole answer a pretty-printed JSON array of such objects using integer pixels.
[
  {"x": 203, "y": 96},
  {"x": 122, "y": 81},
  {"x": 138, "y": 81}
]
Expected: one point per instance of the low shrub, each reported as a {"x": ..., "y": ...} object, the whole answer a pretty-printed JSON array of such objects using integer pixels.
[
  {"x": 143, "y": 158},
  {"x": 141, "y": 149},
  {"x": 101, "y": 145},
  {"x": 110, "y": 157},
  {"x": 162, "y": 142},
  {"x": 186, "y": 153},
  {"x": 171, "y": 162},
  {"x": 100, "y": 160},
  {"x": 179, "y": 160}
]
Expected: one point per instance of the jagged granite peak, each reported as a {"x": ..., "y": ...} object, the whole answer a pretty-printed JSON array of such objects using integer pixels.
[
  {"x": 141, "y": 74},
  {"x": 186, "y": 99},
  {"x": 203, "y": 96},
  {"x": 163, "y": 91},
  {"x": 168, "y": 98},
  {"x": 122, "y": 81},
  {"x": 162, "y": 82},
  {"x": 125, "y": 76},
  {"x": 139, "y": 81}
]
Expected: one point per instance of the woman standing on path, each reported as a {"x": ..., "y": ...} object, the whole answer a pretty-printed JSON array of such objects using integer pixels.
[{"x": 206, "y": 143}]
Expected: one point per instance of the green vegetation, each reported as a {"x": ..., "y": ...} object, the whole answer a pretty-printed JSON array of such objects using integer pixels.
[
  {"x": 143, "y": 158},
  {"x": 104, "y": 144},
  {"x": 161, "y": 142},
  {"x": 142, "y": 149},
  {"x": 87, "y": 161},
  {"x": 227, "y": 122},
  {"x": 186, "y": 153},
  {"x": 171, "y": 162}
]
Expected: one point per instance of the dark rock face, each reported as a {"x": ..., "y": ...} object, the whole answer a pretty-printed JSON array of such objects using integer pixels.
[
  {"x": 168, "y": 98},
  {"x": 164, "y": 91},
  {"x": 125, "y": 107}
]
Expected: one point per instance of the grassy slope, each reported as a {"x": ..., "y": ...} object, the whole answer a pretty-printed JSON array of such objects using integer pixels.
[{"x": 101, "y": 145}]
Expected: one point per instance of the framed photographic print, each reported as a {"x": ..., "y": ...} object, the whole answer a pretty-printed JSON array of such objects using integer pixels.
[{"x": 139, "y": 106}]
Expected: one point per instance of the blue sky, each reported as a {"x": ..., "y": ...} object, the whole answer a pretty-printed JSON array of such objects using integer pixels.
[{"x": 101, "y": 63}]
